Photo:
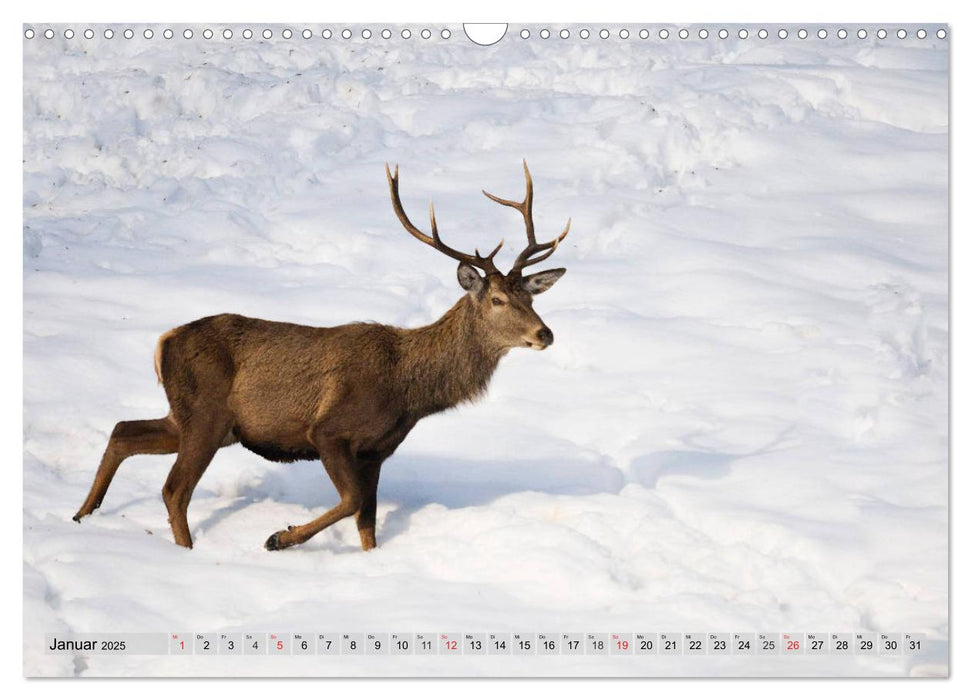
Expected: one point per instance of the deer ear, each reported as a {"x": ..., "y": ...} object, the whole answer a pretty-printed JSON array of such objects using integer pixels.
[
  {"x": 469, "y": 278},
  {"x": 541, "y": 281}
]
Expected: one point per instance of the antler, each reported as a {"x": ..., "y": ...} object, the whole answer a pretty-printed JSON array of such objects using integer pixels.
[
  {"x": 526, "y": 209},
  {"x": 485, "y": 264}
]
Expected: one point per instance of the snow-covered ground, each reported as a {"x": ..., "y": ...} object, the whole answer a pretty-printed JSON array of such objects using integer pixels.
[{"x": 742, "y": 426}]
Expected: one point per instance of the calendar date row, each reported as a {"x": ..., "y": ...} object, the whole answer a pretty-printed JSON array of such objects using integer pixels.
[{"x": 495, "y": 643}]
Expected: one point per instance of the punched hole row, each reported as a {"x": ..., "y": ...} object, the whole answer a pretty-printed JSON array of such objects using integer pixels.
[
  {"x": 742, "y": 33},
  {"x": 446, "y": 33},
  {"x": 109, "y": 33}
]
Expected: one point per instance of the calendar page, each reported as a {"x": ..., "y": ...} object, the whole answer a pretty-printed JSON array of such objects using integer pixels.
[{"x": 460, "y": 350}]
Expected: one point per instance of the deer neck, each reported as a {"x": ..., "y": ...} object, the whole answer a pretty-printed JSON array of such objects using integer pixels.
[{"x": 449, "y": 361}]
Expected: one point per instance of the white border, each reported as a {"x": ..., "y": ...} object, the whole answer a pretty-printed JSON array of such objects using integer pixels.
[
  {"x": 709, "y": 11},
  {"x": 767, "y": 11}
]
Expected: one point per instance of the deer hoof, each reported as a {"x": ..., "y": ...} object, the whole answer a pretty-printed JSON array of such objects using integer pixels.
[
  {"x": 82, "y": 513},
  {"x": 273, "y": 543}
]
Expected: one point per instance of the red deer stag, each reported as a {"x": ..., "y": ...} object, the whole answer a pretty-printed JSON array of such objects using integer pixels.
[{"x": 347, "y": 395}]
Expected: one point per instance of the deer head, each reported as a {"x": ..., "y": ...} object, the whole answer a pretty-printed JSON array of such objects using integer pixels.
[{"x": 504, "y": 302}]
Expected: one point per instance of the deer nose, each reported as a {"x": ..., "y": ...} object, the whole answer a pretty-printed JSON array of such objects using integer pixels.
[{"x": 545, "y": 335}]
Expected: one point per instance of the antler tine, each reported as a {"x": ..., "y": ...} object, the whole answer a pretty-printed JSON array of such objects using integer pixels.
[
  {"x": 399, "y": 210},
  {"x": 524, "y": 260},
  {"x": 431, "y": 215},
  {"x": 526, "y": 209},
  {"x": 495, "y": 250},
  {"x": 485, "y": 264}
]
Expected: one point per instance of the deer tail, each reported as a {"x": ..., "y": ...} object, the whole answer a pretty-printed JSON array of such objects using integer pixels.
[{"x": 159, "y": 349}]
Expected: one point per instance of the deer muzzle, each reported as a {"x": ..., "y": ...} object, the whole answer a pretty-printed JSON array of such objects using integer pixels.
[{"x": 542, "y": 339}]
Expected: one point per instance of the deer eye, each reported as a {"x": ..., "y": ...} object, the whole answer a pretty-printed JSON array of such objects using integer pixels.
[{"x": 496, "y": 301}]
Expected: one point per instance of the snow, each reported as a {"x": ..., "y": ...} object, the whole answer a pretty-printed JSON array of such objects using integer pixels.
[{"x": 741, "y": 427}]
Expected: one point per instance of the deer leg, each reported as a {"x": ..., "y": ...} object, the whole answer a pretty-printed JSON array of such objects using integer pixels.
[
  {"x": 346, "y": 476},
  {"x": 199, "y": 445},
  {"x": 136, "y": 437},
  {"x": 369, "y": 504}
]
